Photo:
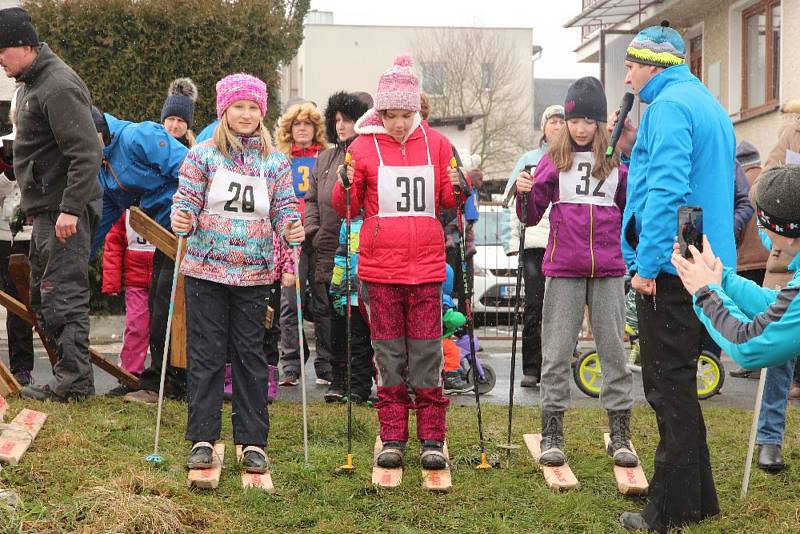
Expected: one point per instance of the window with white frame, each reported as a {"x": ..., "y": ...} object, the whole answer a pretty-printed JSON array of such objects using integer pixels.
[{"x": 760, "y": 62}]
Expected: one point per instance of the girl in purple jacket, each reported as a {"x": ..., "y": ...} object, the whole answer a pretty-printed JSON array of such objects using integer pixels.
[{"x": 583, "y": 266}]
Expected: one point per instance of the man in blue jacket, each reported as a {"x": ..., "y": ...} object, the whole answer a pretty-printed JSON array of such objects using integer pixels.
[{"x": 683, "y": 155}]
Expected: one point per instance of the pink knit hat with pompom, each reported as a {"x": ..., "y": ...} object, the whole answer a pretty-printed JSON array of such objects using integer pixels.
[
  {"x": 235, "y": 87},
  {"x": 398, "y": 87}
]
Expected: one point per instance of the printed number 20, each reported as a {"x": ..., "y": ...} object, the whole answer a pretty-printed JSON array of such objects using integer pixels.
[
  {"x": 248, "y": 202},
  {"x": 412, "y": 193},
  {"x": 583, "y": 189}
]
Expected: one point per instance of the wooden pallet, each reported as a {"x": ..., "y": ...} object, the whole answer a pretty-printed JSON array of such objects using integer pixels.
[
  {"x": 559, "y": 478},
  {"x": 209, "y": 478},
  {"x": 381, "y": 476},
  {"x": 18, "y": 435},
  {"x": 438, "y": 480},
  {"x": 630, "y": 480},
  {"x": 255, "y": 480}
]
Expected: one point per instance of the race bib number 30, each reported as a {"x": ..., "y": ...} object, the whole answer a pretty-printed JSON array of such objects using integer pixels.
[
  {"x": 406, "y": 192},
  {"x": 578, "y": 186}
]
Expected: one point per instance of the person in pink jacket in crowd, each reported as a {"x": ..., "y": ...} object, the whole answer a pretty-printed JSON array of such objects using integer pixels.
[
  {"x": 400, "y": 176},
  {"x": 128, "y": 257}
]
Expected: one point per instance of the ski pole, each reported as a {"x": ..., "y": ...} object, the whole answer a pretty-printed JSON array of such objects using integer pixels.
[
  {"x": 298, "y": 294},
  {"x": 751, "y": 445},
  {"x": 524, "y": 204},
  {"x": 348, "y": 466},
  {"x": 465, "y": 297},
  {"x": 156, "y": 458}
]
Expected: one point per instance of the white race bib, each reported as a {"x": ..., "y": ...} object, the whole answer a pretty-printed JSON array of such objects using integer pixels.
[
  {"x": 135, "y": 241},
  {"x": 406, "y": 191},
  {"x": 578, "y": 186},
  {"x": 237, "y": 196}
]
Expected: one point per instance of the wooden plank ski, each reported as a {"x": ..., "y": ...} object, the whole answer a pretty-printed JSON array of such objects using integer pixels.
[
  {"x": 209, "y": 478},
  {"x": 17, "y": 436},
  {"x": 438, "y": 480},
  {"x": 381, "y": 476},
  {"x": 558, "y": 478},
  {"x": 8, "y": 382},
  {"x": 255, "y": 480},
  {"x": 630, "y": 480}
]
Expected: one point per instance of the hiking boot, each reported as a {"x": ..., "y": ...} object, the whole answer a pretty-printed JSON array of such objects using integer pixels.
[
  {"x": 529, "y": 381},
  {"x": 391, "y": 455},
  {"x": 41, "y": 393},
  {"x": 454, "y": 383},
  {"x": 254, "y": 460},
  {"x": 335, "y": 393},
  {"x": 770, "y": 458},
  {"x": 290, "y": 378},
  {"x": 552, "y": 445},
  {"x": 619, "y": 445},
  {"x": 24, "y": 377},
  {"x": 432, "y": 455},
  {"x": 634, "y": 521},
  {"x": 143, "y": 396},
  {"x": 120, "y": 391},
  {"x": 201, "y": 456}
]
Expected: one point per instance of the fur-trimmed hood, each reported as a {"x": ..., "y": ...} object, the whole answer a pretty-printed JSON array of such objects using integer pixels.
[
  {"x": 351, "y": 105},
  {"x": 371, "y": 123}
]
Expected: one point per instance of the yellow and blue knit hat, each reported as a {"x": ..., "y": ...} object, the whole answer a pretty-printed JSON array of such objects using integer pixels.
[{"x": 660, "y": 46}]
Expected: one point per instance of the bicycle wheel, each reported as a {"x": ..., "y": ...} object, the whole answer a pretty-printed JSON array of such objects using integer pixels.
[
  {"x": 487, "y": 384},
  {"x": 587, "y": 374},
  {"x": 710, "y": 375}
]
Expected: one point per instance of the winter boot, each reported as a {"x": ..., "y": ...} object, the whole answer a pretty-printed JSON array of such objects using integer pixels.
[
  {"x": 432, "y": 455},
  {"x": 454, "y": 383},
  {"x": 272, "y": 388},
  {"x": 336, "y": 391},
  {"x": 227, "y": 392},
  {"x": 619, "y": 446},
  {"x": 552, "y": 445},
  {"x": 254, "y": 460},
  {"x": 391, "y": 455},
  {"x": 201, "y": 455}
]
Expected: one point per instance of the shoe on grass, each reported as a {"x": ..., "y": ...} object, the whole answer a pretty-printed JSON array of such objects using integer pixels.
[
  {"x": 41, "y": 393},
  {"x": 290, "y": 378},
  {"x": 201, "y": 456},
  {"x": 254, "y": 460},
  {"x": 120, "y": 391},
  {"x": 391, "y": 455},
  {"x": 432, "y": 455},
  {"x": 143, "y": 396},
  {"x": 634, "y": 521}
]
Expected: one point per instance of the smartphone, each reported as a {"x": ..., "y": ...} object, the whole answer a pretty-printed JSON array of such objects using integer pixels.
[{"x": 690, "y": 229}]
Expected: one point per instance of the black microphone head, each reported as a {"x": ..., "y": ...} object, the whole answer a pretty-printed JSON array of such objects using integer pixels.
[{"x": 627, "y": 101}]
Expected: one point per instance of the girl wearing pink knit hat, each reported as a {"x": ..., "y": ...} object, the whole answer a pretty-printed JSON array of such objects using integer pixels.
[
  {"x": 234, "y": 193},
  {"x": 400, "y": 176}
]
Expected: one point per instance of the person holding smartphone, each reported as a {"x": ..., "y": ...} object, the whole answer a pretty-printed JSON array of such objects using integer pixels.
[{"x": 682, "y": 155}]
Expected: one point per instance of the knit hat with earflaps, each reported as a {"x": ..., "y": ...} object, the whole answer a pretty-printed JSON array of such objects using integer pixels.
[
  {"x": 181, "y": 96},
  {"x": 398, "y": 87},
  {"x": 586, "y": 99},
  {"x": 660, "y": 46},
  {"x": 778, "y": 200}
]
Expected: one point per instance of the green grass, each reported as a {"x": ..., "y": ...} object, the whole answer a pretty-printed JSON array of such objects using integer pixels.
[{"x": 86, "y": 473}]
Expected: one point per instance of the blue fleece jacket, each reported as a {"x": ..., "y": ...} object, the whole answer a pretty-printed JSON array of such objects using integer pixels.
[
  {"x": 140, "y": 167},
  {"x": 683, "y": 155},
  {"x": 757, "y": 327}
]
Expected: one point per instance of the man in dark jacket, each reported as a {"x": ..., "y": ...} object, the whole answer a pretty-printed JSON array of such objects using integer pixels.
[{"x": 56, "y": 160}]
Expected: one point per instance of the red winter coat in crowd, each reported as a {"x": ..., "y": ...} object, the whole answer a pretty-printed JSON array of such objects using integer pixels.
[
  {"x": 125, "y": 252},
  {"x": 397, "y": 250}
]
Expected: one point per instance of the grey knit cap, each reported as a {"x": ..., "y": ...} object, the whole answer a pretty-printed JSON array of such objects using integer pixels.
[{"x": 747, "y": 155}]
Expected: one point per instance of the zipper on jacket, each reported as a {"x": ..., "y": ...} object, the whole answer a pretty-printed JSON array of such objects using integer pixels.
[
  {"x": 555, "y": 242},
  {"x": 591, "y": 237}
]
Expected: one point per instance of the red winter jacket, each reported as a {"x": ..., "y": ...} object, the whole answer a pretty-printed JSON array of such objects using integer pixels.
[
  {"x": 118, "y": 257},
  {"x": 397, "y": 250}
]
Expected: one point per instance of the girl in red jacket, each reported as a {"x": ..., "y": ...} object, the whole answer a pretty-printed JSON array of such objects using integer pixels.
[
  {"x": 127, "y": 252},
  {"x": 400, "y": 177}
]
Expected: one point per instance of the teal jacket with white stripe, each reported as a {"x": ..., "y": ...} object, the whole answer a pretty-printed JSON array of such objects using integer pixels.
[{"x": 757, "y": 327}]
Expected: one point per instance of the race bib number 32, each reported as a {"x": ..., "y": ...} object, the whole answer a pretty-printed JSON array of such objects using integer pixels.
[{"x": 578, "y": 186}]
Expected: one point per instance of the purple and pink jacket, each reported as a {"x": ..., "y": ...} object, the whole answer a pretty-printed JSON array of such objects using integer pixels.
[{"x": 584, "y": 239}]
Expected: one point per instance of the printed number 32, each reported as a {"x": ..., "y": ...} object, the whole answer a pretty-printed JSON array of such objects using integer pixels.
[
  {"x": 586, "y": 178},
  {"x": 247, "y": 201}
]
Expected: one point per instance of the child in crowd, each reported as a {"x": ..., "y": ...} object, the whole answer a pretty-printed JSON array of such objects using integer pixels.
[{"x": 583, "y": 266}]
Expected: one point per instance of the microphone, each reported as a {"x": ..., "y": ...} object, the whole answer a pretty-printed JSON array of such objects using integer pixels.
[{"x": 624, "y": 108}]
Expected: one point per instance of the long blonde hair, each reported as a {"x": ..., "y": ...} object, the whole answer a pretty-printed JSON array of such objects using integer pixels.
[
  {"x": 299, "y": 112},
  {"x": 562, "y": 152},
  {"x": 190, "y": 137},
  {"x": 225, "y": 139}
]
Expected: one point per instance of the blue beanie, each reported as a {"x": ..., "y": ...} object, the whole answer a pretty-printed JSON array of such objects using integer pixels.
[
  {"x": 660, "y": 46},
  {"x": 180, "y": 101}
]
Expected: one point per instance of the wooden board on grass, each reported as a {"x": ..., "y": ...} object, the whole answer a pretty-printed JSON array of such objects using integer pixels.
[
  {"x": 18, "y": 435},
  {"x": 559, "y": 478},
  {"x": 630, "y": 480},
  {"x": 209, "y": 478},
  {"x": 438, "y": 480},
  {"x": 381, "y": 476},
  {"x": 255, "y": 480}
]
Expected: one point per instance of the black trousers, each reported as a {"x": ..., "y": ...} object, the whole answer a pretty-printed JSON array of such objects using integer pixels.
[
  {"x": 20, "y": 333},
  {"x": 219, "y": 316},
  {"x": 533, "y": 277},
  {"x": 670, "y": 336},
  {"x": 160, "y": 293},
  {"x": 272, "y": 336},
  {"x": 360, "y": 350}
]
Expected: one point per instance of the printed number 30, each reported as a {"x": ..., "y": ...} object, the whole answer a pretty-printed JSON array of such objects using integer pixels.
[
  {"x": 409, "y": 189},
  {"x": 247, "y": 201},
  {"x": 583, "y": 189}
]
